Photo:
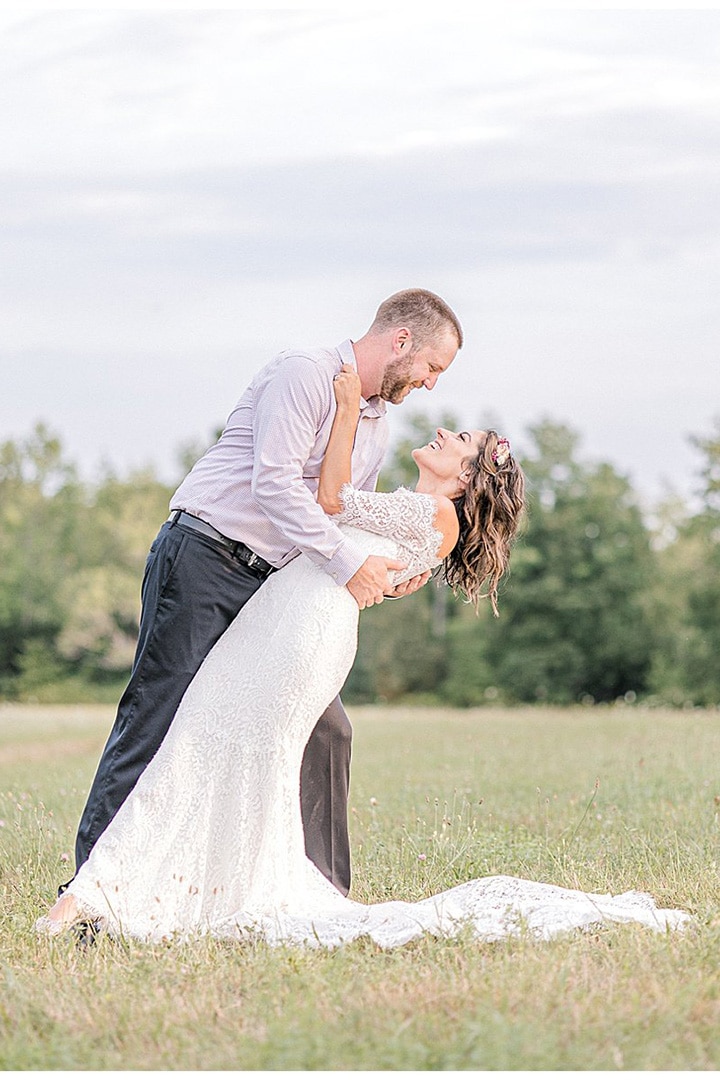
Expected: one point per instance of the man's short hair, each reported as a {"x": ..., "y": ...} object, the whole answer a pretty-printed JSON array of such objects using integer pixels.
[{"x": 424, "y": 313}]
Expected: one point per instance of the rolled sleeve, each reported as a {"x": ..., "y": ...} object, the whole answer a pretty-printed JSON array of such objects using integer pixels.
[{"x": 346, "y": 562}]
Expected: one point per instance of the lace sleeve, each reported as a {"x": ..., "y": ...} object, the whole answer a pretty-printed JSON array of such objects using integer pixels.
[{"x": 405, "y": 516}]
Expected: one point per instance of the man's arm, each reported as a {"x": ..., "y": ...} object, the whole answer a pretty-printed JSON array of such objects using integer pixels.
[{"x": 289, "y": 411}]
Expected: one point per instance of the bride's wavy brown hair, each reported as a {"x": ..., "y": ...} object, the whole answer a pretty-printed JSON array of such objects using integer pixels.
[{"x": 489, "y": 510}]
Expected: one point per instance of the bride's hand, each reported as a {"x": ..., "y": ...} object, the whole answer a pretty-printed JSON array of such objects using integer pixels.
[{"x": 346, "y": 385}]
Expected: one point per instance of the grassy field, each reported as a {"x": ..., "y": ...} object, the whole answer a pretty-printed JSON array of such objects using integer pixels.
[{"x": 601, "y": 799}]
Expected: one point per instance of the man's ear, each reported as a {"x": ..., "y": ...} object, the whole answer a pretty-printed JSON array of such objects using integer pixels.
[{"x": 402, "y": 340}]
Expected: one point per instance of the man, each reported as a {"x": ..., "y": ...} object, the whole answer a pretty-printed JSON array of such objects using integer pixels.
[{"x": 247, "y": 508}]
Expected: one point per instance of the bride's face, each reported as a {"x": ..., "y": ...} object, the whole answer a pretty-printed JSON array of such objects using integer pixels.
[{"x": 446, "y": 456}]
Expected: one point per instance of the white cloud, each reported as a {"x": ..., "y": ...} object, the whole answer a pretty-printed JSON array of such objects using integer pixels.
[{"x": 181, "y": 193}]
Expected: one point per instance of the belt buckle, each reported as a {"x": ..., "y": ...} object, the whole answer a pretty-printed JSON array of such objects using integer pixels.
[{"x": 252, "y": 560}]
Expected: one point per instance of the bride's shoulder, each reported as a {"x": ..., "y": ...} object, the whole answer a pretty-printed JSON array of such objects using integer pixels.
[{"x": 446, "y": 522}]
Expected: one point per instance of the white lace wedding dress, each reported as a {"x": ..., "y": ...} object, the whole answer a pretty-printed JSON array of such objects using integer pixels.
[{"x": 211, "y": 838}]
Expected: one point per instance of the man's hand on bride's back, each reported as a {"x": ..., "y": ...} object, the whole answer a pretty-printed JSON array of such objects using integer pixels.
[
  {"x": 405, "y": 588},
  {"x": 371, "y": 582}
]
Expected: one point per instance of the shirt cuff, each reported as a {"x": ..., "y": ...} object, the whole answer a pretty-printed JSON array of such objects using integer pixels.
[{"x": 345, "y": 562}]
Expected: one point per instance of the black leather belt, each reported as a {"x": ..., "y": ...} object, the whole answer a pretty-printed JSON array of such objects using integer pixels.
[{"x": 239, "y": 551}]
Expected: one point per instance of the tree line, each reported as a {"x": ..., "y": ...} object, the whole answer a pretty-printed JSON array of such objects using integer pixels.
[{"x": 600, "y": 604}]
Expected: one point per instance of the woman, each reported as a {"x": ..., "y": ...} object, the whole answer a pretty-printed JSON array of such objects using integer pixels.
[{"x": 210, "y": 840}]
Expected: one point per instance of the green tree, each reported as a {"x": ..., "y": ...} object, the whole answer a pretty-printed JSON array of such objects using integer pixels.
[
  {"x": 102, "y": 597},
  {"x": 41, "y": 503},
  {"x": 399, "y": 651},
  {"x": 470, "y": 678},
  {"x": 686, "y": 666},
  {"x": 71, "y": 561},
  {"x": 574, "y": 622}
]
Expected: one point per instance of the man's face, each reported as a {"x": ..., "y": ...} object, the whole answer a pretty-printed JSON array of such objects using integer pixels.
[{"x": 420, "y": 368}]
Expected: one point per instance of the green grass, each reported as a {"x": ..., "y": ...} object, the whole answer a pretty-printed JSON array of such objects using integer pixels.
[{"x": 603, "y": 799}]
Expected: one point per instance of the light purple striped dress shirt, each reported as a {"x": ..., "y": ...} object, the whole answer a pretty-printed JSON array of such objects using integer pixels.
[{"x": 258, "y": 482}]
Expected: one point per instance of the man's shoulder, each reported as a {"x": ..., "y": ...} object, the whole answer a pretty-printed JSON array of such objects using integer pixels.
[
  {"x": 316, "y": 353},
  {"x": 297, "y": 377},
  {"x": 320, "y": 356},
  {"x": 304, "y": 361},
  {"x": 309, "y": 366}
]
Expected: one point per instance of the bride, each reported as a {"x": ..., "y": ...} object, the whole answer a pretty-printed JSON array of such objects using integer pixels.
[{"x": 210, "y": 840}]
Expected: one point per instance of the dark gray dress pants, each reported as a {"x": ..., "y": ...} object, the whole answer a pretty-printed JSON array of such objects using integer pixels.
[{"x": 192, "y": 590}]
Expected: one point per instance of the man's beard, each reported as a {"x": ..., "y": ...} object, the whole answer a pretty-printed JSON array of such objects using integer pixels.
[{"x": 395, "y": 380}]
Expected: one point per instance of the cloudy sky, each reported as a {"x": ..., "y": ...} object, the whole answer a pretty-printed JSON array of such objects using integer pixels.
[{"x": 183, "y": 193}]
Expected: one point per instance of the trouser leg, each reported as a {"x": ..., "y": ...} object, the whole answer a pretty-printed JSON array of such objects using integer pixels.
[
  {"x": 324, "y": 785},
  {"x": 191, "y": 592}
]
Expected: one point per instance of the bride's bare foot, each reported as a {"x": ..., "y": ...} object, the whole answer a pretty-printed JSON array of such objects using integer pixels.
[{"x": 62, "y": 915}]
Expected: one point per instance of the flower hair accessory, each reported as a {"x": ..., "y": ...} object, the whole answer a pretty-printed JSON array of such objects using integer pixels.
[{"x": 501, "y": 452}]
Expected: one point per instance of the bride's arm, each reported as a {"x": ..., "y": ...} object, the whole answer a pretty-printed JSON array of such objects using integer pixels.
[
  {"x": 372, "y": 580},
  {"x": 336, "y": 468}
]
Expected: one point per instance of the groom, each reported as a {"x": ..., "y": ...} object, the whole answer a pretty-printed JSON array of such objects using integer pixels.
[{"x": 246, "y": 509}]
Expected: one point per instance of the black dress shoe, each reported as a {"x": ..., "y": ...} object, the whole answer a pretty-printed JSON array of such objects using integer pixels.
[{"x": 86, "y": 932}]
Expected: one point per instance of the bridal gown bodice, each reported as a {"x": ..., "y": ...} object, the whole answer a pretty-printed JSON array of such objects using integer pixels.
[{"x": 211, "y": 839}]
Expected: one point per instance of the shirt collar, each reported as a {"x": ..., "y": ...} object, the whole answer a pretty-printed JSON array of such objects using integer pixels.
[{"x": 375, "y": 406}]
